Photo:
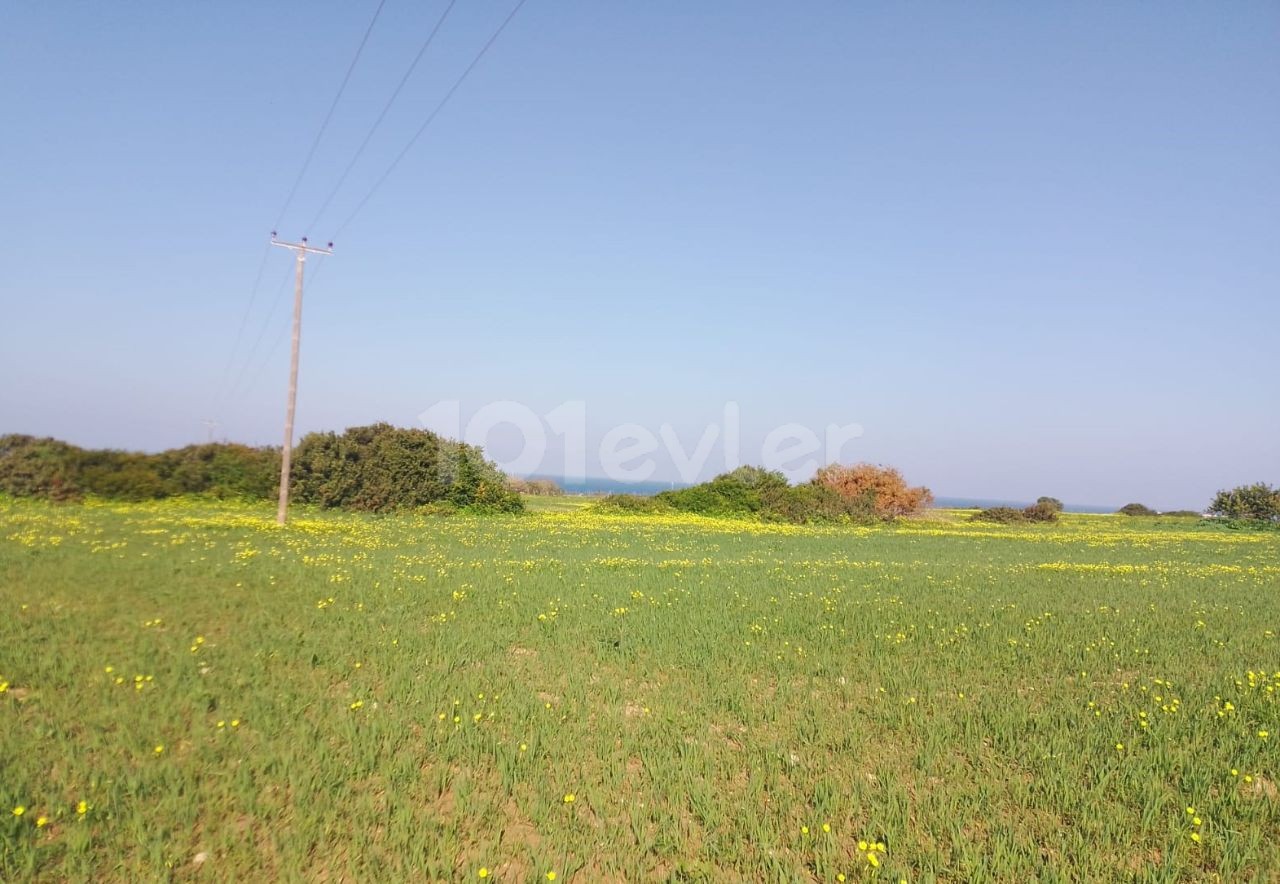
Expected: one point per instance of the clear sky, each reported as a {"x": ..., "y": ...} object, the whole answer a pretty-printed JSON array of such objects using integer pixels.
[{"x": 1032, "y": 248}]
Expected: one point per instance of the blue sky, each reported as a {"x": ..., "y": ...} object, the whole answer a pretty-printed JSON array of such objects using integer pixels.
[{"x": 1030, "y": 248}]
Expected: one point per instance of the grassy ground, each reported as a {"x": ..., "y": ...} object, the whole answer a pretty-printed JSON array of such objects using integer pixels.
[
  {"x": 557, "y": 503},
  {"x": 190, "y": 693}
]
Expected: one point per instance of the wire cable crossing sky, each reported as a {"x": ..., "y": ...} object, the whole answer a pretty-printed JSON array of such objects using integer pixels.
[{"x": 1026, "y": 250}]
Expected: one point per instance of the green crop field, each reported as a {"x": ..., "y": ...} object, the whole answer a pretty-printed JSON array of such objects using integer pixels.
[{"x": 190, "y": 693}]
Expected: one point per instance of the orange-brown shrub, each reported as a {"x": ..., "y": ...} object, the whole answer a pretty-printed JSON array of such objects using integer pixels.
[{"x": 881, "y": 488}]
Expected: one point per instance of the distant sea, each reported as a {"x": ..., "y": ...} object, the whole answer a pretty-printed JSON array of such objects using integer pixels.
[
  {"x": 594, "y": 485},
  {"x": 980, "y": 503}
]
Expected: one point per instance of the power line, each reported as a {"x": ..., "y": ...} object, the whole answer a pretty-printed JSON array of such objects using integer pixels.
[
  {"x": 223, "y": 392},
  {"x": 236, "y": 387},
  {"x": 382, "y": 115},
  {"x": 430, "y": 117},
  {"x": 255, "y": 376},
  {"x": 257, "y": 342},
  {"x": 315, "y": 142},
  {"x": 244, "y": 321}
]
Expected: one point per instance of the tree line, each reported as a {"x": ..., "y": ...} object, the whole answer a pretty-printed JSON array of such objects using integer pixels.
[{"x": 376, "y": 468}]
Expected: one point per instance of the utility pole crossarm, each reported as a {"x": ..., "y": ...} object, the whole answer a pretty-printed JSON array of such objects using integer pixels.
[
  {"x": 300, "y": 246},
  {"x": 301, "y": 250}
]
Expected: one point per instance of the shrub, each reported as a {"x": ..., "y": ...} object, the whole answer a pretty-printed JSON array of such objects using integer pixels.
[
  {"x": 753, "y": 491},
  {"x": 1042, "y": 511},
  {"x": 631, "y": 503},
  {"x": 739, "y": 492},
  {"x": 366, "y": 468},
  {"x": 380, "y": 468},
  {"x": 31, "y": 467},
  {"x": 1050, "y": 502},
  {"x": 122, "y": 475},
  {"x": 1136, "y": 509},
  {"x": 1003, "y": 515},
  {"x": 806, "y": 503},
  {"x": 222, "y": 470},
  {"x": 1182, "y": 514},
  {"x": 55, "y": 470},
  {"x": 881, "y": 488},
  {"x": 1258, "y": 503}
]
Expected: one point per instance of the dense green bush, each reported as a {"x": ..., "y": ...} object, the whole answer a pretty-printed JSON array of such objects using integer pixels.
[
  {"x": 1050, "y": 502},
  {"x": 1043, "y": 510},
  {"x": 1254, "y": 503},
  {"x": 736, "y": 493},
  {"x": 380, "y": 468},
  {"x": 54, "y": 470},
  {"x": 366, "y": 468},
  {"x": 631, "y": 503},
  {"x": 1136, "y": 509},
  {"x": 31, "y": 467},
  {"x": 812, "y": 502},
  {"x": 222, "y": 469},
  {"x": 751, "y": 492}
]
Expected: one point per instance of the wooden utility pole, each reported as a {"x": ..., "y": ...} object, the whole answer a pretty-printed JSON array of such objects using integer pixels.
[{"x": 301, "y": 250}]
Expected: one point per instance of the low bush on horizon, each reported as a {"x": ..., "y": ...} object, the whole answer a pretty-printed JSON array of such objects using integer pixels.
[
  {"x": 1002, "y": 515},
  {"x": 1051, "y": 502},
  {"x": 375, "y": 468},
  {"x": 880, "y": 488},
  {"x": 58, "y": 471},
  {"x": 1046, "y": 509},
  {"x": 1259, "y": 503},
  {"x": 1136, "y": 509},
  {"x": 632, "y": 503},
  {"x": 859, "y": 493}
]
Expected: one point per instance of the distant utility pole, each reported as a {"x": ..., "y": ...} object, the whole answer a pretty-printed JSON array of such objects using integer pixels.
[
  {"x": 301, "y": 249},
  {"x": 210, "y": 425}
]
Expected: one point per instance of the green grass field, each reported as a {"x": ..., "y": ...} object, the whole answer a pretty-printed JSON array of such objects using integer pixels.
[
  {"x": 557, "y": 503},
  {"x": 191, "y": 693}
]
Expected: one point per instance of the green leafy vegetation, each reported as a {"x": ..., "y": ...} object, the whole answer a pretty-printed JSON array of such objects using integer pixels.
[
  {"x": 1253, "y": 503},
  {"x": 375, "y": 469},
  {"x": 836, "y": 494},
  {"x": 1043, "y": 510},
  {"x": 1051, "y": 503},
  {"x": 54, "y": 470},
  {"x": 380, "y": 468},
  {"x": 1136, "y": 509}
]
